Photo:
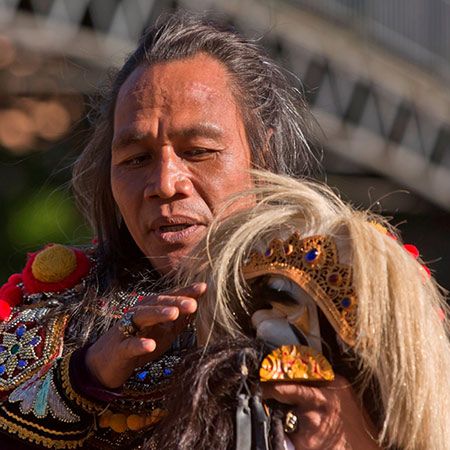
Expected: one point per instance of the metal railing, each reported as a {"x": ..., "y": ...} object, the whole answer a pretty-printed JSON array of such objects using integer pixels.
[{"x": 418, "y": 30}]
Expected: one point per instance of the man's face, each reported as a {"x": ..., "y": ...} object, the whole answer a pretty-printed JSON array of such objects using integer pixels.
[{"x": 179, "y": 148}]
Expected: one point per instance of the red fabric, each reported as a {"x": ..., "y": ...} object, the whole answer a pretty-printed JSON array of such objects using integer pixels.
[
  {"x": 33, "y": 286},
  {"x": 15, "y": 278},
  {"x": 5, "y": 310},
  {"x": 11, "y": 294}
]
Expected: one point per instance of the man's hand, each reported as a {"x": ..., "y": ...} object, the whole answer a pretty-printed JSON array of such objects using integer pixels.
[
  {"x": 329, "y": 416},
  {"x": 160, "y": 318}
]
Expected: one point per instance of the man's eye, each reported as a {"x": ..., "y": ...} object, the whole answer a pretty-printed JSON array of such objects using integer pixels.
[
  {"x": 199, "y": 152},
  {"x": 137, "y": 160}
]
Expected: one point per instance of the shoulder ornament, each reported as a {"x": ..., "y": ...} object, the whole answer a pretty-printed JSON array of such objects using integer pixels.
[{"x": 54, "y": 270}]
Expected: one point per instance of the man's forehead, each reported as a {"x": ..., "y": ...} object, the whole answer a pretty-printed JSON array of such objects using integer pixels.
[{"x": 200, "y": 78}]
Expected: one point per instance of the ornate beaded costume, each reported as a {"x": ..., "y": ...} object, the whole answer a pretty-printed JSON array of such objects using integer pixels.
[{"x": 39, "y": 403}]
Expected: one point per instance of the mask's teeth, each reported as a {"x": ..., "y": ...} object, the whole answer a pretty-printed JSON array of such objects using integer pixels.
[{"x": 281, "y": 284}]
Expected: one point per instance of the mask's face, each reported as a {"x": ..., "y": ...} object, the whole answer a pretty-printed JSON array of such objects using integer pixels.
[
  {"x": 289, "y": 315},
  {"x": 297, "y": 277}
]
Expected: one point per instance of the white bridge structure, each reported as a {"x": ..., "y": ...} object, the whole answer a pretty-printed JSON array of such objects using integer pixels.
[{"x": 376, "y": 72}]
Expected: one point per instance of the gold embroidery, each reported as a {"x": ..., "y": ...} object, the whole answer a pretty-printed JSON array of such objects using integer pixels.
[
  {"x": 36, "y": 438},
  {"x": 81, "y": 401}
]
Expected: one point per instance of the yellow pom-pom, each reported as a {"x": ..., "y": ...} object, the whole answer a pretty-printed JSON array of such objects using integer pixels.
[
  {"x": 135, "y": 422},
  {"x": 156, "y": 416},
  {"x": 118, "y": 423},
  {"x": 53, "y": 264},
  {"x": 104, "y": 419},
  {"x": 149, "y": 420},
  {"x": 379, "y": 227}
]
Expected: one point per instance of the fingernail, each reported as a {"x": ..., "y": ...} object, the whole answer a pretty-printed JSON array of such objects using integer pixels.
[
  {"x": 186, "y": 303},
  {"x": 167, "y": 311},
  {"x": 199, "y": 286}
]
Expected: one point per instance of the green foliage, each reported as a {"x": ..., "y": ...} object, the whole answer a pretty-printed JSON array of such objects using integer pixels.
[
  {"x": 53, "y": 218},
  {"x": 36, "y": 204}
]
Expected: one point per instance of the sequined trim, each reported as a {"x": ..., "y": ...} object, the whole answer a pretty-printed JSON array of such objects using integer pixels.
[
  {"x": 40, "y": 396},
  {"x": 26, "y": 346}
]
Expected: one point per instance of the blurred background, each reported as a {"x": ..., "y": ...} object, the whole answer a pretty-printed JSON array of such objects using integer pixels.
[{"x": 376, "y": 73}]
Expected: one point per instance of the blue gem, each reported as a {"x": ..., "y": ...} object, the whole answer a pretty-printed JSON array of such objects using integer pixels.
[
  {"x": 20, "y": 331},
  {"x": 34, "y": 341},
  {"x": 21, "y": 364},
  {"x": 2, "y": 349},
  {"x": 346, "y": 302},
  {"x": 141, "y": 376},
  {"x": 2, "y": 369},
  {"x": 312, "y": 255},
  {"x": 269, "y": 252},
  {"x": 167, "y": 371}
]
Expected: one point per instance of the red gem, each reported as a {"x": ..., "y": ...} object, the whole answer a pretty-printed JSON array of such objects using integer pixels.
[
  {"x": 412, "y": 250},
  {"x": 335, "y": 279},
  {"x": 288, "y": 249},
  {"x": 126, "y": 309},
  {"x": 140, "y": 298}
]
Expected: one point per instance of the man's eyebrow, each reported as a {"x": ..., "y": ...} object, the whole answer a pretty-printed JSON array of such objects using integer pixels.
[
  {"x": 204, "y": 129},
  {"x": 126, "y": 138}
]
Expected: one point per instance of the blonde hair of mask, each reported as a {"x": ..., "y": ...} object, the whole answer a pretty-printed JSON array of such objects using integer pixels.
[{"x": 401, "y": 341}]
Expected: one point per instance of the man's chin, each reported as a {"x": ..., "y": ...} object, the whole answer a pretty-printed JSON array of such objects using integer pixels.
[{"x": 171, "y": 262}]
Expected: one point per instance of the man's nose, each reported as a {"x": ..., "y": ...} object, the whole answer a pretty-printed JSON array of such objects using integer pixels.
[{"x": 169, "y": 177}]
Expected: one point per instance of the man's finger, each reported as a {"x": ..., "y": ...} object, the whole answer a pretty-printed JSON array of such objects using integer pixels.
[
  {"x": 186, "y": 305},
  {"x": 195, "y": 290},
  {"x": 294, "y": 393},
  {"x": 148, "y": 316},
  {"x": 138, "y": 346}
]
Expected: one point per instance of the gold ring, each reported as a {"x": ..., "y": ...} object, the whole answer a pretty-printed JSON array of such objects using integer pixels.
[
  {"x": 127, "y": 325},
  {"x": 290, "y": 422}
]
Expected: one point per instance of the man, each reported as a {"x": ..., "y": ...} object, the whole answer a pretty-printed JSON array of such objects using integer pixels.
[{"x": 188, "y": 114}]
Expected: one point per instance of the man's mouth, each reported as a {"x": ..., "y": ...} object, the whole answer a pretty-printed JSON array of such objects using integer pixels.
[
  {"x": 176, "y": 230},
  {"x": 172, "y": 228}
]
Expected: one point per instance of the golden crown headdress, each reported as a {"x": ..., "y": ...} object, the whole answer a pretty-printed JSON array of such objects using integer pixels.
[{"x": 312, "y": 263}]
